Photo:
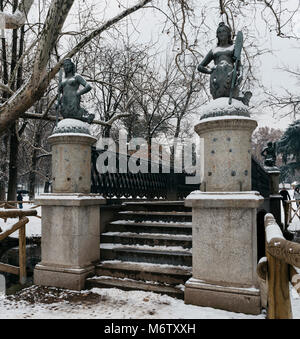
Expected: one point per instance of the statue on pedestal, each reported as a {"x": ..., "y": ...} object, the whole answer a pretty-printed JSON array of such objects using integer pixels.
[
  {"x": 269, "y": 153},
  {"x": 68, "y": 104},
  {"x": 226, "y": 74}
]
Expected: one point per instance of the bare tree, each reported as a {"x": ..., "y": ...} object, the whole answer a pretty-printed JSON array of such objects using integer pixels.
[
  {"x": 40, "y": 77},
  {"x": 287, "y": 103},
  {"x": 112, "y": 70},
  {"x": 179, "y": 13},
  {"x": 23, "y": 86}
]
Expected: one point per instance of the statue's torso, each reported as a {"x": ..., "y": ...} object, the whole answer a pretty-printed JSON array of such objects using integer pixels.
[
  {"x": 221, "y": 77},
  {"x": 70, "y": 100},
  {"x": 223, "y": 55}
]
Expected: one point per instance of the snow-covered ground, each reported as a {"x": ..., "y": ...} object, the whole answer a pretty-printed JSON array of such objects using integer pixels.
[
  {"x": 110, "y": 304},
  {"x": 51, "y": 303}
]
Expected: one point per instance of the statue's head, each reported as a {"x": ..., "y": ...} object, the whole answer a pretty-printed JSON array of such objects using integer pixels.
[
  {"x": 69, "y": 66},
  {"x": 270, "y": 144},
  {"x": 224, "y": 29}
]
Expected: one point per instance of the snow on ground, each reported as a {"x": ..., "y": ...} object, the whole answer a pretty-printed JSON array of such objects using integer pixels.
[
  {"x": 52, "y": 303},
  {"x": 106, "y": 304}
]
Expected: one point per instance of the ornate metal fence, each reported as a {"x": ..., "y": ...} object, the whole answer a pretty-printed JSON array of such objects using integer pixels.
[
  {"x": 260, "y": 179},
  {"x": 160, "y": 185}
]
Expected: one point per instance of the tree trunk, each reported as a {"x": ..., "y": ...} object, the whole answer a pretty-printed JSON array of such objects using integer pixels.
[
  {"x": 13, "y": 168},
  {"x": 3, "y": 166},
  {"x": 31, "y": 185},
  {"x": 106, "y": 131},
  {"x": 39, "y": 80},
  {"x": 33, "y": 167},
  {"x": 173, "y": 148},
  {"x": 14, "y": 141}
]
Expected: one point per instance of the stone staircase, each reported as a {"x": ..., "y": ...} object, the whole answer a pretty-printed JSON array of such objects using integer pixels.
[{"x": 147, "y": 248}]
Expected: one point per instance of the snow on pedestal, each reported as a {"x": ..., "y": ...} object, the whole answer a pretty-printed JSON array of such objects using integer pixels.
[{"x": 221, "y": 107}]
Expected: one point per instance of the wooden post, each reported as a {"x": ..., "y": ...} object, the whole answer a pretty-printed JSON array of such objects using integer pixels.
[
  {"x": 22, "y": 255},
  {"x": 279, "y": 304},
  {"x": 295, "y": 279},
  {"x": 262, "y": 273}
]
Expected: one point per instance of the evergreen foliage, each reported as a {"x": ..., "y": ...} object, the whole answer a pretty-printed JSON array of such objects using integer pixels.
[{"x": 289, "y": 147}]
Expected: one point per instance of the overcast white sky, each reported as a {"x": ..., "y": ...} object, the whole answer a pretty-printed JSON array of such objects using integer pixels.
[{"x": 286, "y": 52}]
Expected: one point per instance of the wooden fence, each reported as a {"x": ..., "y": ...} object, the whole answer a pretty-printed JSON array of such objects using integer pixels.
[
  {"x": 293, "y": 211},
  {"x": 279, "y": 269},
  {"x": 19, "y": 226}
]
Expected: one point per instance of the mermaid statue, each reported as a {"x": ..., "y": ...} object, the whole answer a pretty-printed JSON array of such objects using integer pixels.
[
  {"x": 68, "y": 104},
  {"x": 225, "y": 75}
]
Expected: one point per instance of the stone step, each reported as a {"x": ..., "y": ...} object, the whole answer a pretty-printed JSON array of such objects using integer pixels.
[
  {"x": 158, "y": 213},
  {"x": 129, "y": 238},
  {"x": 131, "y": 285},
  {"x": 150, "y": 227},
  {"x": 166, "y": 216},
  {"x": 160, "y": 205},
  {"x": 155, "y": 203},
  {"x": 155, "y": 255},
  {"x": 148, "y": 249},
  {"x": 144, "y": 271}
]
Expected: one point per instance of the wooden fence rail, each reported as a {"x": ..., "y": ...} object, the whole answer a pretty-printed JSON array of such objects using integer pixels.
[
  {"x": 12, "y": 203},
  {"x": 19, "y": 226},
  {"x": 280, "y": 268}
]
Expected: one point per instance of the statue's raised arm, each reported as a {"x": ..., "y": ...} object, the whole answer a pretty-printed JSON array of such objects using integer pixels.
[{"x": 225, "y": 74}]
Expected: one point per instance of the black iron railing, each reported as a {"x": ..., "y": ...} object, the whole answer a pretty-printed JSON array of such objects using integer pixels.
[
  {"x": 170, "y": 186},
  {"x": 260, "y": 179}
]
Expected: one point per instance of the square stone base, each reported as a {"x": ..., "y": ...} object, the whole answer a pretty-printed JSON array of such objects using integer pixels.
[
  {"x": 70, "y": 239},
  {"x": 233, "y": 299},
  {"x": 69, "y": 278}
]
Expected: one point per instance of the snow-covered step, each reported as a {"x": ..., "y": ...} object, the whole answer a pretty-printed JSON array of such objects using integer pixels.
[
  {"x": 128, "y": 284},
  {"x": 160, "y": 205},
  {"x": 152, "y": 239},
  {"x": 154, "y": 203},
  {"x": 141, "y": 215},
  {"x": 169, "y": 213},
  {"x": 147, "y": 248},
  {"x": 150, "y": 227},
  {"x": 145, "y": 271},
  {"x": 151, "y": 254}
]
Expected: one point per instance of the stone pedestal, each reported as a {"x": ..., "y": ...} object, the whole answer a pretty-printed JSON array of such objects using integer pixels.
[
  {"x": 224, "y": 251},
  {"x": 227, "y": 153},
  {"x": 70, "y": 215},
  {"x": 71, "y": 162},
  {"x": 70, "y": 239},
  {"x": 224, "y": 213}
]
